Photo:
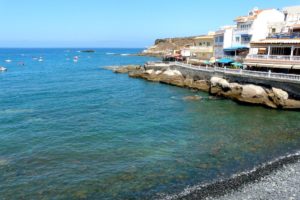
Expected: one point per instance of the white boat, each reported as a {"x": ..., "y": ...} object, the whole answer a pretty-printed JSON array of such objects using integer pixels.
[
  {"x": 8, "y": 61},
  {"x": 2, "y": 69},
  {"x": 75, "y": 59}
]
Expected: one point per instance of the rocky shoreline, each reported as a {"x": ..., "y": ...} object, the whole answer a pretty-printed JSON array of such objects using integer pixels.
[
  {"x": 249, "y": 93},
  {"x": 276, "y": 180}
]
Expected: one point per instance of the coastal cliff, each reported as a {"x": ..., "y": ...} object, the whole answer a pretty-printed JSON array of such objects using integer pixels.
[
  {"x": 162, "y": 46},
  {"x": 244, "y": 93}
]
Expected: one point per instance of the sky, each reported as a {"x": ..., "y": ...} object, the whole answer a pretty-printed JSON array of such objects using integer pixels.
[{"x": 116, "y": 23}]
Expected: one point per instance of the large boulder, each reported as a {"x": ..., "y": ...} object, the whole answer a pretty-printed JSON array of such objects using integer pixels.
[
  {"x": 218, "y": 86},
  {"x": 189, "y": 82},
  {"x": 216, "y": 81},
  {"x": 256, "y": 95},
  {"x": 279, "y": 96},
  {"x": 234, "y": 91},
  {"x": 201, "y": 85}
]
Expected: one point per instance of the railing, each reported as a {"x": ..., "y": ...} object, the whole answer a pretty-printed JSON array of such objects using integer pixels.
[
  {"x": 240, "y": 72},
  {"x": 202, "y": 49},
  {"x": 242, "y": 31},
  {"x": 273, "y": 57},
  {"x": 284, "y": 35}
]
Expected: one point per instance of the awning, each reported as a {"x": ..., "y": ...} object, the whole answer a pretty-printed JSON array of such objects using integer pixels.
[
  {"x": 237, "y": 64},
  {"x": 236, "y": 48},
  {"x": 225, "y": 61}
]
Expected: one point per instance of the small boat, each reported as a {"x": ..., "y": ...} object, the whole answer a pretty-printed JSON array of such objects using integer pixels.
[
  {"x": 3, "y": 69},
  {"x": 88, "y": 51},
  {"x": 40, "y": 59},
  {"x": 75, "y": 59},
  {"x": 8, "y": 61}
]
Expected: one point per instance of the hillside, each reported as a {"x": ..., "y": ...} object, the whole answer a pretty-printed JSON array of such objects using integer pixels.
[{"x": 162, "y": 46}]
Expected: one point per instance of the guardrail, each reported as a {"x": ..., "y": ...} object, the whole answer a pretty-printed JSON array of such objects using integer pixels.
[{"x": 241, "y": 72}]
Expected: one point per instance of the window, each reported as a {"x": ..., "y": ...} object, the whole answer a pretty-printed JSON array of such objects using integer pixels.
[
  {"x": 208, "y": 44},
  {"x": 237, "y": 39},
  {"x": 285, "y": 16},
  {"x": 297, "y": 52},
  {"x": 285, "y": 51},
  {"x": 273, "y": 30},
  {"x": 221, "y": 39}
]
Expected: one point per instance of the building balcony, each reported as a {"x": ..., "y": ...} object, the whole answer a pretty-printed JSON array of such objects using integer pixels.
[
  {"x": 284, "y": 36},
  {"x": 239, "y": 31},
  {"x": 274, "y": 59}
]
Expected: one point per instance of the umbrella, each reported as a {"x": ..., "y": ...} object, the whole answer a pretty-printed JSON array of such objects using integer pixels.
[
  {"x": 225, "y": 61},
  {"x": 237, "y": 64},
  {"x": 207, "y": 62}
]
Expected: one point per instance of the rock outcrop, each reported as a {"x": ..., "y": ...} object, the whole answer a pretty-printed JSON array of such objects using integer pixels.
[
  {"x": 163, "y": 46},
  {"x": 249, "y": 93},
  {"x": 123, "y": 69}
]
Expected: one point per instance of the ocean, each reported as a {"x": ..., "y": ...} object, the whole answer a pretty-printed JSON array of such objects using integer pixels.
[{"x": 73, "y": 130}]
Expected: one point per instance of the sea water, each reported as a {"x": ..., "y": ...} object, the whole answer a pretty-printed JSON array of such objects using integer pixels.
[{"x": 73, "y": 130}]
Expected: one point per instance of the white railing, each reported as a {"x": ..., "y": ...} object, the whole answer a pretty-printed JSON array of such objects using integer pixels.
[
  {"x": 274, "y": 57},
  {"x": 296, "y": 58},
  {"x": 242, "y": 31},
  {"x": 241, "y": 72}
]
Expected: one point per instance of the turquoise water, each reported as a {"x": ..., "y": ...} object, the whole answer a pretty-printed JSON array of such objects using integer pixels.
[{"x": 76, "y": 131}]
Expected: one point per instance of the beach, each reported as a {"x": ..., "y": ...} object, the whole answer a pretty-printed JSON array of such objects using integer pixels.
[{"x": 281, "y": 184}]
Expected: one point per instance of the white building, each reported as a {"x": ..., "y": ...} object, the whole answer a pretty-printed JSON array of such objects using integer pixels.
[
  {"x": 255, "y": 27},
  {"x": 281, "y": 50},
  {"x": 223, "y": 40},
  {"x": 291, "y": 23}
]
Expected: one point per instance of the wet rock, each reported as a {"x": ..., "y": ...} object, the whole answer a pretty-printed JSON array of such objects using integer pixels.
[
  {"x": 279, "y": 96},
  {"x": 126, "y": 69},
  {"x": 3, "y": 162},
  {"x": 201, "y": 85},
  {"x": 189, "y": 82},
  {"x": 192, "y": 98},
  {"x": 292, "y": 104}
]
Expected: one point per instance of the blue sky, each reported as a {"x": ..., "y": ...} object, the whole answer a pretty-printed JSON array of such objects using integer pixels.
[{"x": 115, "y": 23}]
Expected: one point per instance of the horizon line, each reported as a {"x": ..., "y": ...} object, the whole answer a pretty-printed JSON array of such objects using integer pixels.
[{"x": 73, "y": 47}]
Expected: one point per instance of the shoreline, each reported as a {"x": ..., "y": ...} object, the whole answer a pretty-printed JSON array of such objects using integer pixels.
[
  {"x": 226, "y": 188},
  {"x": 250, "y": 93},
  {"x": 223, "y": 188}
]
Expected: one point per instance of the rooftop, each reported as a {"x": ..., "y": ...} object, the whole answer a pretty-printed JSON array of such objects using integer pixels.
[{"x": 250, "y": 17}]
